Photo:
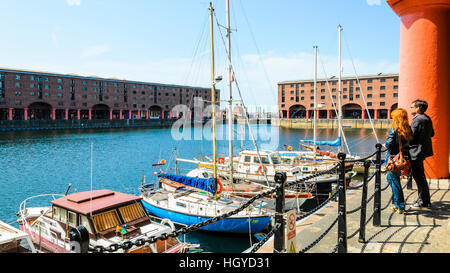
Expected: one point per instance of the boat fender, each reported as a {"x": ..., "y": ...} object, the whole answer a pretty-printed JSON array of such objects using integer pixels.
[
  {"x": 221, "y": 160},
  {"x": 219, "y": 184},
  {"x": 260, "y": 170},
  {"x": 170, "y": 223},
  {"x": 162, "y": 162}
]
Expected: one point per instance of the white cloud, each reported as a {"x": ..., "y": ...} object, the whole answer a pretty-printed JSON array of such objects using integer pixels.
[
  {"x": 94, "y": 51},
  {"x": 373, "y": 2},
  {"x": 73, "y": 2}
]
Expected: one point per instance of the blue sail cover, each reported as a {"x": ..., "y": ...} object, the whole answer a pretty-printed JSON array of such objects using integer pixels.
[
  {"x": 337, "y": 142},
  {"x": 206, "y": 184}
]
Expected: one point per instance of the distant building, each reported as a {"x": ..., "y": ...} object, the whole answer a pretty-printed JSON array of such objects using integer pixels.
[
  {"x": 28, "y": 95},
  {"x": 296, "y": 98}
]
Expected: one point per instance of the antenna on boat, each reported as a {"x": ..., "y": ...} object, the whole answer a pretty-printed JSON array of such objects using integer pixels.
[
  {"x": 315, "y": 102},
  {"x": 341, "y": 147},
  {"x": 230, "y": 103},
  {"x": 68, "y": 188}
]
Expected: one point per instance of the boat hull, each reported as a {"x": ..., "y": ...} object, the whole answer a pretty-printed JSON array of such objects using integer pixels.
[{"x": 231, "y": 224}]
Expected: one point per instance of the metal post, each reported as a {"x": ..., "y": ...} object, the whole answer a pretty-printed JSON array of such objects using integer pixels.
[
  {"x": 362, "y": 224},
  {"x": 342, "y": 213},
  {"x": 279, "y": 242},
  {"x": 377, "y": 194}
]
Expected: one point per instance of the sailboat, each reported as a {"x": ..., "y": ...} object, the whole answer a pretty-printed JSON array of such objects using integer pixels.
[{"x": 189, "y": 206}]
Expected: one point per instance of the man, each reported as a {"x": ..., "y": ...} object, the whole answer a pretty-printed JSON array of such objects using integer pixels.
[{"x": 420, "y": 148}]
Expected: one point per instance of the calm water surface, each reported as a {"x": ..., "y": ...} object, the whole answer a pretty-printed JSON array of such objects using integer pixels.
[{"x": 42, "y": 162}]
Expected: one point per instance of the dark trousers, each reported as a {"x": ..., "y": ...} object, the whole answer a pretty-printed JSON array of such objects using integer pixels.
[{"x": 418, "y": 173}]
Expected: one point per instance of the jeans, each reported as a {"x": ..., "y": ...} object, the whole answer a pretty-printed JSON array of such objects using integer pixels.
[{"x": 393, "y": 178}]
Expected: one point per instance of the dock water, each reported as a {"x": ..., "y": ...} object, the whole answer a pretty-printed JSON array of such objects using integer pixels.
[{"x": 416, "y": 231}]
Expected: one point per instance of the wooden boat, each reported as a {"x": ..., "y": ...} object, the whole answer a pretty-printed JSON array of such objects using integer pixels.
[{"x": 110, "y": 217}]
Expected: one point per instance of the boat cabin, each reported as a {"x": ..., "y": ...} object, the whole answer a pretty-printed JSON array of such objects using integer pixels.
[
  {"x": 104, "y": 213},
  {"x": 251, "y": 157}
]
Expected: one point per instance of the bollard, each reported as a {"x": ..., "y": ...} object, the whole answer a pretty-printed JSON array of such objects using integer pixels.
[
  {"x": 377, "y": 194},
  {"x": 342, "y": 213},
  {"x": 279, "y": 240},
  {"x": 362, "y": 224},
  {"x": 79, "y": 240}
]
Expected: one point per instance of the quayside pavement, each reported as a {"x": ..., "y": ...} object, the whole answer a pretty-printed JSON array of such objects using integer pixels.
[{"x": 416, "y": 231}]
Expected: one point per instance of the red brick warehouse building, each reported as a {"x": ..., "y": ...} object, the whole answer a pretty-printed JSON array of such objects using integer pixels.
[
  {"x": 296, "y": 98},
  {"x": 27, "y": 95}
]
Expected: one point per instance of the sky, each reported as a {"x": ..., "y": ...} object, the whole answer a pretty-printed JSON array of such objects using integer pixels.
[{"x": 168, "y": 41}]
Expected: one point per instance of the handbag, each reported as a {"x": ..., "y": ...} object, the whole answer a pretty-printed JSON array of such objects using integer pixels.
[{"x": 398, "y": 162}]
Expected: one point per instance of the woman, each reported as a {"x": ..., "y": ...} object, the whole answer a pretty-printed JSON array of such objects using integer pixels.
[{"x": 400, "y": 130}]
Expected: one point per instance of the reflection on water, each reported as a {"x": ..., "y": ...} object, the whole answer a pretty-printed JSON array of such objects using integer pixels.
[{"x": 42, "y": 162}]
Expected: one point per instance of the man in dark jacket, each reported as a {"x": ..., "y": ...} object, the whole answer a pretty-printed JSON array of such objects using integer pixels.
[{"x": 420, "y": 148}]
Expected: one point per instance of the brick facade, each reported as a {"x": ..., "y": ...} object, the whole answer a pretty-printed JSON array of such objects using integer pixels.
[
  {"x": 296, "y": 98},
  {"x": 40, "y": 95}
]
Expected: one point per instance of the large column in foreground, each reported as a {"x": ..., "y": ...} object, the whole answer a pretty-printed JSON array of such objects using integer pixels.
[{"x": 425, "y": 69}]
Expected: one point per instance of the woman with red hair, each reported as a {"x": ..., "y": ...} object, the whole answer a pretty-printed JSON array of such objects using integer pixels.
[{"x": 400, "y": 131}]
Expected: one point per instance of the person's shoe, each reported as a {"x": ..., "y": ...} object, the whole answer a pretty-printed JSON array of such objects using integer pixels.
[{"x": 418, "y": 204}]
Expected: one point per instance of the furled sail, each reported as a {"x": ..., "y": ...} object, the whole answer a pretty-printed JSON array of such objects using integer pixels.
[
  {"x": 206, "y": 184},
  {"x": 337, "y": 142}
]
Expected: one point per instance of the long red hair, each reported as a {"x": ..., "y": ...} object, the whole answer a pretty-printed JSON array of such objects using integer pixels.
[{"x": 401, "y": 124}]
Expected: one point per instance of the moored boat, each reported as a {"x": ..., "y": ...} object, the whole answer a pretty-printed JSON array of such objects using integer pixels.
[
  {"x": 109, "y": 217},
  {"x": 13, "y": 240}
]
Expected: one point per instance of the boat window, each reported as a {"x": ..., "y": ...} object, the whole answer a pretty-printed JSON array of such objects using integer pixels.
[
  {"x": 84, "y": 221},
  {"x": 131, "y": 212},
  {"x": 39, "y": 227},
  {"x": 72, "y": 219},
  {"x": 183, "y": 205},
  {"x": 59, "y": 214},
  {"x": 106, "y": 220},
  {"x": 247, "y": 159},
  {"x": 265, "y": 160},
  {"x": 275, "y": 159}
]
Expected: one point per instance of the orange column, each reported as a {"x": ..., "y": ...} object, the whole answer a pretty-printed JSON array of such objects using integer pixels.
[{"x": 424, "y": 70}]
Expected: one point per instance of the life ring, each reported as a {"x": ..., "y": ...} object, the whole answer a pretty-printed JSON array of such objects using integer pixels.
[
  {"x": 219, "y": 184},
  {"x": 290, "y": 148},
  {"x": 221, "y": 160},
  {"x": 260, "y": 169},
  {"x": 167, "y": 221}
]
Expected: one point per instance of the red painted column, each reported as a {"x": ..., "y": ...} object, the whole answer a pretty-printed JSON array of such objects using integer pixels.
[
  {"x": 375, "y": 113},
  {"x": 147, "y": 113},
  {"x": 110, "y": 114},
  {"x": 328, "y": 114},
  {"x": 10, "y": 114},
  {"x": 307, "y": 114},
  {"x": 90, "y": 114},
  {"x": 78, "y": 114},
  {"x": 25, "y": 114},
  {"x": 66, "y": 114},
  {"x": 53, "y": 113},
  {"x": 389, "y": 113},
  {"x": 424, "y": 70},
  {"x": 130, "y": 114},
  {"x": 364, "y": 113},
  {"x": 120, "y": 114},
  {"x": 162, "y": 114}
]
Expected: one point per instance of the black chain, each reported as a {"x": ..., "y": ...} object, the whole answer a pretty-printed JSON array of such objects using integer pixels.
[{"x": 152, "y": 239}]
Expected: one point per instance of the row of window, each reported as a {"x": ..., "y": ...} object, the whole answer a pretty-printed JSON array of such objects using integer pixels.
[
  {"x": 322, "y": 83},
  {"x": 95, "y": 83},
  {"x": 369, "y": 96},
  {"x": 382, "y": 103}
]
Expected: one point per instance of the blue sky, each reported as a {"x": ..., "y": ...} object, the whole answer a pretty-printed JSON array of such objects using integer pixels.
[{"x": 168, "y": 40}]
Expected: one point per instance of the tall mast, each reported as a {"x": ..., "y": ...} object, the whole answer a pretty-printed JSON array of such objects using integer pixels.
[
  {"x": 213, "y": 90},
  {"x": 341, "y": 147},
  {"x": 230, "y": 102},
  {"x": 315, "y": 101}
]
